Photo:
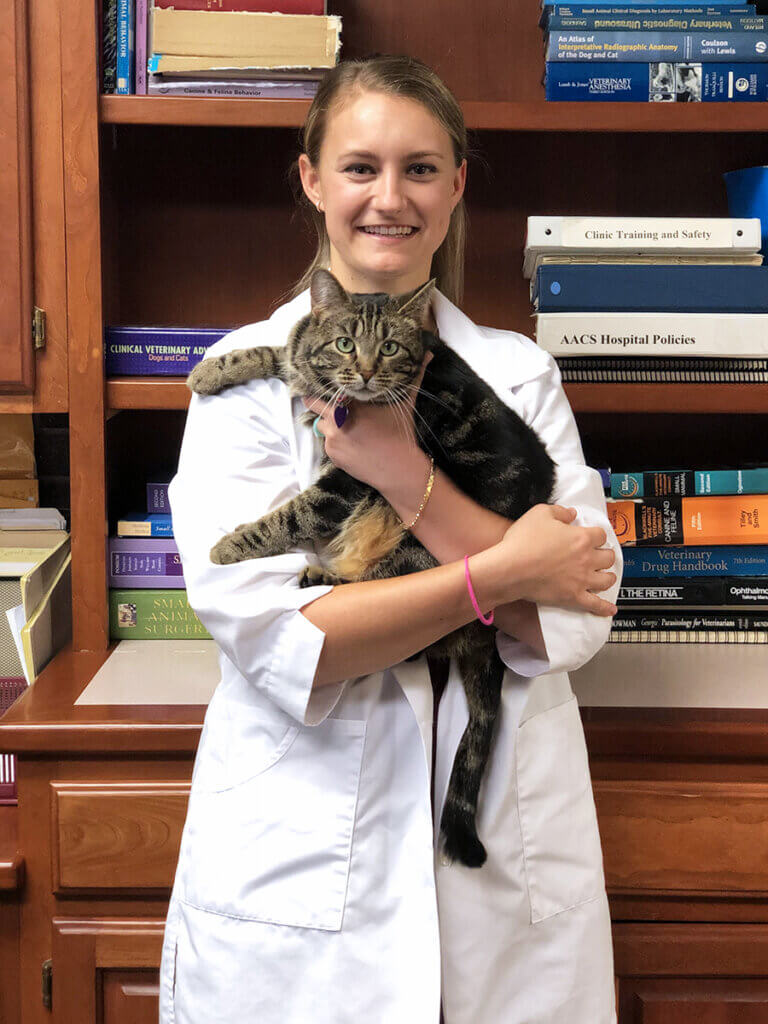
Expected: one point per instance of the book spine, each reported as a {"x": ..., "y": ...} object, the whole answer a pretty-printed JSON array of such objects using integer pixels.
[
  {"x": 683, "y": 619},
  {"x": 679, "y": 562},
  {"x": 153, "y": 615},
  {"x": 628, "y": 81},
  {"x": 316, "y": 7},
  {"x": 564, "y": 288},
  {"x": 724, "y": 590},
  {"x": 652, "y": 484},
  {"x": 732, "y": 481},
  {"x": 157, "y": 498},
  {"x": 649, "y": 47},
  {"x": 144, "y": 569},
  {"x": 163, "y": 86},
  {"x": 140, "y": 71},
  {"x": 650, "y": 370},
  {"x": 658, "y": 23},
  {"x": 653, "y": 334},
  {"x": 640, "y": 5},
  {"x": 109, "y": 46},
  {"x": 156, "y": 352},
  {"x": 738, "y": 519},
  {"x": 156, "y": 527},
  {"x": 125, "y": 46},
  {"x": 653, "y": 236}
]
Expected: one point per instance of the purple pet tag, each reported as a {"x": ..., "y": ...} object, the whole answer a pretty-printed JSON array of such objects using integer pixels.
[{"x": 340, "y": 414}]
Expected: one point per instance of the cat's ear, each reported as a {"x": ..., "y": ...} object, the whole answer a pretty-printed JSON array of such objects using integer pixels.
[
  {"x": 326, "y": 294},
  {"x": 417, "y": 305}
]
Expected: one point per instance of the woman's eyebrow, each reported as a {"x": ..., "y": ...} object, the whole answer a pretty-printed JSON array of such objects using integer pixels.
[{"x": 372, "y": 156}]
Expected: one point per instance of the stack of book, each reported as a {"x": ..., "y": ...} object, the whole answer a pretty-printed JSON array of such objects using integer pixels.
[
  {"x": 156, "y": 351},
  {"x": 643, "y": 300},
  {"x": 667, "y": 51},
  {"x": 229, "y": 48},
  {"x": 695, "y": 546},
  {"x": 147, "y": 597}
]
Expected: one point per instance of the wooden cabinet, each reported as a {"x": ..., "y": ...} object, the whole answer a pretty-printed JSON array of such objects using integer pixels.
[{"x": 149, "y": 210}]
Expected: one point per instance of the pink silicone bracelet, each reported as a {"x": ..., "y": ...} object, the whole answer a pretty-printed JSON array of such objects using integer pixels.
[{"x": 486, "y": 621}]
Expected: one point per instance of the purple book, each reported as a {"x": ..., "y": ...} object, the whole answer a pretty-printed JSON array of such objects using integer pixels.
[
  {"x": 144, "y": 563},
  {"x": 151, "y": 351},
  {"x": 141, "y": 47},
  {"x": 157, "y": 499}
]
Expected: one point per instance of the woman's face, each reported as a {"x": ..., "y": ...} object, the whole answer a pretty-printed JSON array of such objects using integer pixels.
[{"x": 385, "y": 163}]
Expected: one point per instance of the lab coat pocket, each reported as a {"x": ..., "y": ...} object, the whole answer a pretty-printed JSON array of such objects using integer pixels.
[
  {"x": 277, "y": 847},
  {"x": 561, "y": 842}
]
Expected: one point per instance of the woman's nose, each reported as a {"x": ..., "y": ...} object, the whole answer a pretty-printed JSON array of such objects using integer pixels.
[{"x": 389, "y": 194}]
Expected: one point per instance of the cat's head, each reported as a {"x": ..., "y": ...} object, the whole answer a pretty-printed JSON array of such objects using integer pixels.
[{"x": 363, "y": 346}]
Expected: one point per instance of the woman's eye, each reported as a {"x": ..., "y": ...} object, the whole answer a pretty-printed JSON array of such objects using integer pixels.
[
  {"x": 389, "y": 348},
  {"x": 423, "y": 169},
  {"x": 345, "y": 345},
  {"x": 358, "y": 168}
]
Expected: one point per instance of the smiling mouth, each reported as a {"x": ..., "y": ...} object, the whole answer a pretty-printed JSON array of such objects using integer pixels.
[{"x": 398, "y": 230}]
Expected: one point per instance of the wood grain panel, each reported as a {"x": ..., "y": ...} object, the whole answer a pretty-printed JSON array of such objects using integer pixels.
[
  {"x": 130, "y": 997},
  {"x": 694, "y": 837},
  {"x": 116, "y": 836},
  {"x": 16, "y": 355}
]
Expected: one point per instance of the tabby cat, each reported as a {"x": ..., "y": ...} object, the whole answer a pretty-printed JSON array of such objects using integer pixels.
[{"x": 370, "y": 348}]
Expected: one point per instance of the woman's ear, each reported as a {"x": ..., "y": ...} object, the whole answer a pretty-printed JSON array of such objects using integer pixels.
[{"x": 310, "y": 180}]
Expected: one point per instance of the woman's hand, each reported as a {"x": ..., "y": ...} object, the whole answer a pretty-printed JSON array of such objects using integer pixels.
[
  {"x": 376, "y": 442},
  {"x": 543, "y": 557}
]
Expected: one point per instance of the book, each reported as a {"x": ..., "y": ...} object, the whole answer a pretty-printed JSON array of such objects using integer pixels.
[
  {"x": 250, "y": 74},
  {"x": 716, "y": 591},
  {"x": 163, "y": 85},
  {"x": 617, "y": 288},
  {"x": 702, "y": 21},
  {"x": 109, "y": 46},
  {"x": 140, "y": 69},
  {"x": 679, "y": 627},
  {"x": 684, "y": 562},
  {"x": 753, "y": 259},
  {"x": 161, "y": 351},
  {"x": 618, "y": 236},
  {"x": 126, "y": 13},
  {"x": 649, "y": 334},
  {"x": 157, "y": 524},
  {"x": 226, "y": 67},
  {"x": 153, "y": 615},
  {"x": 157, "y": 498},
  {"x": 145, "y": 563},
  {"x": 659, "y": 483},
  {"x": 280, "y": 6},
  {"x": 49, "y": 627},
  {"x": 656, "y": 370},
  {"x": 664, "y": 82},
  {"x": 639, "y": 4},
  {"x": 31, "y": 519},
  {"x": 649, "y": 47},
  {"x": 720, "y": 519},
  {"x": 265, "y": 40}
]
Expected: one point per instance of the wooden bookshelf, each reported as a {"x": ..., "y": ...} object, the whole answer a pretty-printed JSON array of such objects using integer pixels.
[{"x": 535, "y": 116}]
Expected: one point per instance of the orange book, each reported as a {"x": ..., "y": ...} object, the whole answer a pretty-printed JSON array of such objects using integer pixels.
[{"x": 711, "y": 519}]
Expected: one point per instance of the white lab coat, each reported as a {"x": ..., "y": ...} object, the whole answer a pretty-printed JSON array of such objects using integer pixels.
[{"x": 308, "y": 887}]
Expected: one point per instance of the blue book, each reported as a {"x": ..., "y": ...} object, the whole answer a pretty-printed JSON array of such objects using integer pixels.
[
  {"x": 649, "y": 47},
  {"x": 613, "y": 288},
  {"x": 126, "y": 37},
  {"x": 657, "y": 483},
  {"x": 712, "y": 22},
  {"x": 610, "y": 81},
  {"x": 157, "y": 351},
  {"x": 156, "y": 524},
  {"x": 675, "y": 562}
]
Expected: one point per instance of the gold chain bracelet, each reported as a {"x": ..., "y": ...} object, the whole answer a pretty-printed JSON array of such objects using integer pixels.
[{"x": 425, "y": 499}]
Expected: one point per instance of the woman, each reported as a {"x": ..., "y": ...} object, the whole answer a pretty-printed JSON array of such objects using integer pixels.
[{"x": 309, "y": 885}]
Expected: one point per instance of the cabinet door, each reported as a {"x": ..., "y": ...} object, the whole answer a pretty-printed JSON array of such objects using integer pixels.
[
  {"x": 106, "y": 970},
  {"x": 16, "y": 353}
]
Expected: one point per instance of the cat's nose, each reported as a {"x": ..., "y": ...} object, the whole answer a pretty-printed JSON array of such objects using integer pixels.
[{"x": 366, "y": 375}]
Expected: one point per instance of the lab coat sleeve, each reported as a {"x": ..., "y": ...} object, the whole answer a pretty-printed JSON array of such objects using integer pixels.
[
  {"x": 571, "y": 637},
  {"x": 235, "y": 465}
]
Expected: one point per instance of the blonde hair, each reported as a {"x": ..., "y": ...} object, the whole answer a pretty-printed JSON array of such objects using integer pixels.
[{"x": 397, "y": 76}]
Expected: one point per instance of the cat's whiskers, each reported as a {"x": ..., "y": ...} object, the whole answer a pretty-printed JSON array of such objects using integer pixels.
[{"x": 416, "y": 413}]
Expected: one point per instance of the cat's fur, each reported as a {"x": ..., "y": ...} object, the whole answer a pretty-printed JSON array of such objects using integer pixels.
[{"x": 475, "y": 439}]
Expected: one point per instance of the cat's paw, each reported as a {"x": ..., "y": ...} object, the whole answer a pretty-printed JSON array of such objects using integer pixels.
[
  {"x": 230, "y": 549},
  {"x": 316, "y": 576},
  {"x": 206, "y": 378}
]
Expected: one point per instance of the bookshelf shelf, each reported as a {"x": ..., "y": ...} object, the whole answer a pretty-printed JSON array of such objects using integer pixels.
[
  {"x": 538, "y": 116},
  {"x": 172, "y": 393}
]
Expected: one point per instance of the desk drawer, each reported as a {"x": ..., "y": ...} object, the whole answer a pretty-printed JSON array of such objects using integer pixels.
[
  {"x": 116, "y": 835},
  {"x": 706, "y": 838}
]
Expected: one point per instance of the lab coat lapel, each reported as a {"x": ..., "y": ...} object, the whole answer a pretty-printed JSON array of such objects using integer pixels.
[{"x": 415, "y": 682}]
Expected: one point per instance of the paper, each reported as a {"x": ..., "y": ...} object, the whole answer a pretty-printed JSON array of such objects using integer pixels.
[
  {"x": 156, "y": 672},
  {"x": 16, "y": 621}
]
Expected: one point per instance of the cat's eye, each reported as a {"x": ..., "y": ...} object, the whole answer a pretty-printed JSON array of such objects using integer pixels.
[
  {"x": 389, "y": 348},
  {"x": 345, "y": 345}
]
